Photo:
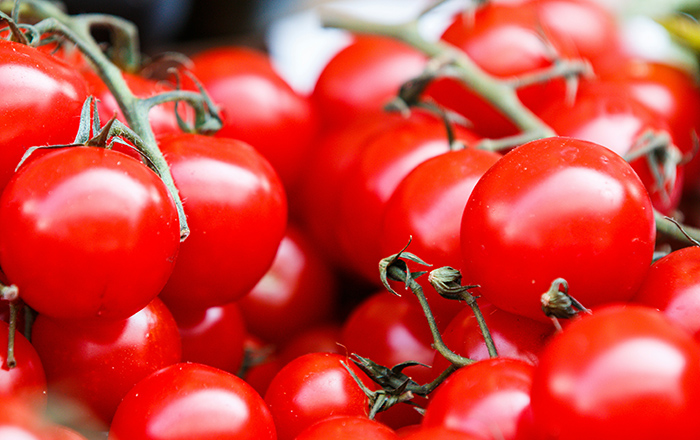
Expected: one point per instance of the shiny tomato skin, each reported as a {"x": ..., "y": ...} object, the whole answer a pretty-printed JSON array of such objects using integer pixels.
[
  {"x": 440, "y": 432},
  {"x": 26, "y": 381},
  {"x": 347, "y": 428},
  {"x": 311, "y": 388},
  {"x": 672, "y": 286},
  {"x": 236, "y": 209},
  {"x": 87, "y": 232},
  {"x": 489, "y": 396},
  {"x": 363, "y": 77},
  {"x": 625, "y": 371},
  {"x": 190, "y": 401},
  {"x": 610, "y": 115},
  {"x": 95, "y": 363},
  {"x": 557, "y": 208},
  {"x": 258, "y": 107},
  {"x": 40, "y": 102}
]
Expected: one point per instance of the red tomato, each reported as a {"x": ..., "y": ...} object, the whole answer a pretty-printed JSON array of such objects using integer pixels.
[
  {"x": 486, "y": 399},
  {"x": 389, "y": 330},
  {"x": 93, "y": 364},
  {"x": 607, "y": 114},
  {"x": 214, "y": 336},
  {"x": 311, "y": 388},
  {"x": 672, "y": 286},
  {"x": 385, "y": 160},
  {"x": 297, "y": 292},
  {"x": 259, "y": 107},
  {"x": 87, "y": 232},
  {"x": 363, "y": 77},
  {"x": 40, "y": 102},
  {"x": 557, "y": 208},
  {"x": 427, "y": 206},
  {"x": 347, "y": 428},
  {"x": 623, "y": 372},
  {"x": 439, "y": 432},
  {"x": 515, "y": 337},
  {"x": 192, "y": 402},
  {"x": 26, "y": 381},
  {"x": 237, "y": 212}
]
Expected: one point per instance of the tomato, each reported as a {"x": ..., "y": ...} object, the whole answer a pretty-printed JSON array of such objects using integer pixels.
[
  {"x": 515, "y": 337},
  {"x": 297, "y": 292},
  {"x": 347, "y": 428},
  {"x": 625, "y": 371},
  {"x": 194, "y": 402},
  {"x": 26, "y": 381},
  {"x": 672, "y": 286},
  {"x": 487, "y": 398},
  {"x": 363, "y": 77},
  {"x": 40, "y": 102},
  {"x": 427, "y": 206},
  {"x": 385, "y": 160},
  {"x": 311, "y": 388},
  {"x": 93, "y": 364},
  {"x": 259, "y": 107},
  {"x": 609, "y": 115},
  {"x": 214, "y": 336},
  {"x": 236, "y": 209},
  {"x": 557, "y": 208},
  {"x": 87, "y": 232},
  {"x": 389, "y": 330}
]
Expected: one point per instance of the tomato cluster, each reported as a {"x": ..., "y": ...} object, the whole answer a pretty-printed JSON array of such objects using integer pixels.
[{"x": 567, "y": 314}]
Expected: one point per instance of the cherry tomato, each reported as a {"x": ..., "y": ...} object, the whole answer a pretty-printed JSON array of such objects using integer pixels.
[
  {"x": 439, "y": 432},
  {"x": 93, "y": 364},
  {"x": 194, "y": 402},
  {"x": 297, "y": 292},
  {"x": 625, "y": 371},
  {"x": 557, "y": 208},
  {"x": 237, "y": 212},
  {"x": 385, "y": 160},
  {"x": 311, "y": 388},
  {"x": 363, "y": 77},
  {"x": 515, "y": 337},
  {"x": 427, "y": 206},
  {"x": 214, "y": 336},
  {"x": 672, "y": 286},
  {"x": 26, "y": 381},
  {"x": 487, "y": 398},
  {"x": 259, "y": 107},
  {"x": 87, "y": 232},
  {"x": 347, "y": 428},
  {"x": 40, "y": 102}
]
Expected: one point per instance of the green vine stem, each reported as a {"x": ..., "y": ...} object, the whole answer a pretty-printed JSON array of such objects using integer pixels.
[
  {"x": 77, "y": 29},
  {"x": 501, "y": 94},
  {"x": 447, "y": 281},
  {"x": 394, "y": 268}
]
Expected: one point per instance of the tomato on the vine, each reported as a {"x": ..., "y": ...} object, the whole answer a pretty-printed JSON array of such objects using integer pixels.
[
  {"x": 25, "y": 382},
  {"x": 557, "y": 208},
  {"x": 236, "y": 208},
  {"x": 87, "y": 232},
  {"x": 190, "y": 401}
]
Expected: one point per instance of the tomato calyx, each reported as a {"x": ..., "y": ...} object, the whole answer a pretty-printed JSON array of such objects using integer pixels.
[{"x": 558, "y": 304}]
